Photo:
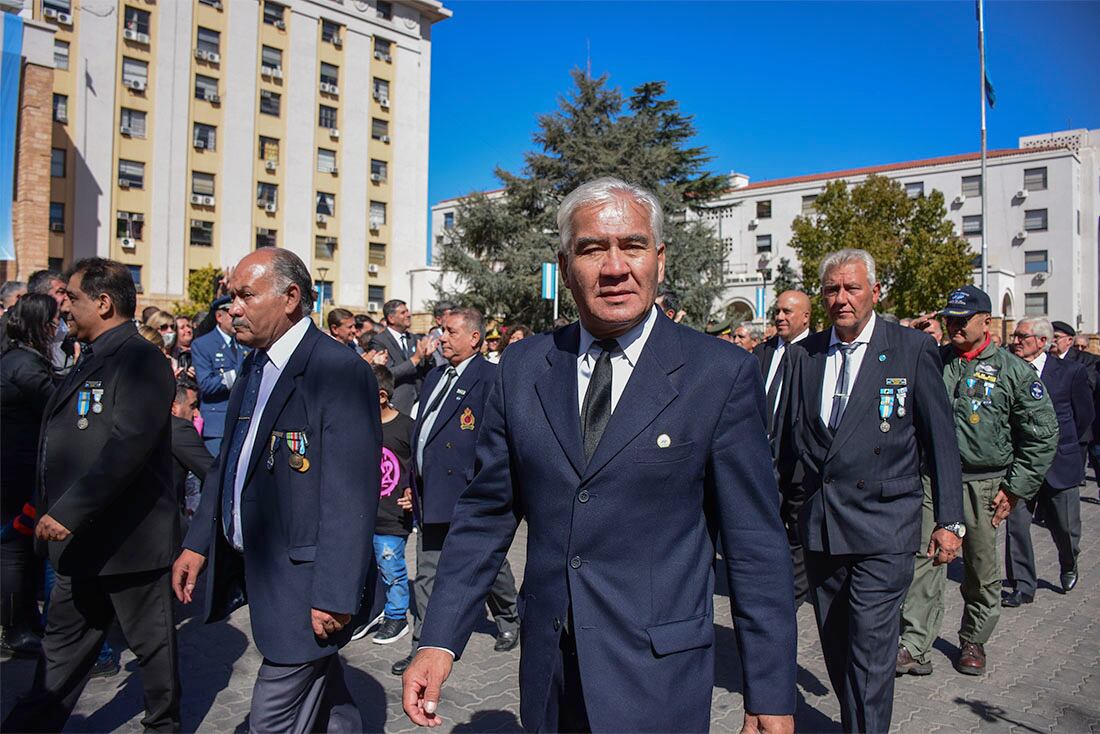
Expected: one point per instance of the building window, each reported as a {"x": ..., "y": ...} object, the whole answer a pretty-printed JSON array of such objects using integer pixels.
[
  {"x": 1035, "y": 261},
  {"x": 137, "y": 21},
  {"x": 267, "y": 193},
  {"x": 271, "y": 58},
  {"x": 134, "y": 72},
  {"x": 378, "y": 171},
  {"x": 764, "y": 209},
  {"x": 763, "y": 243},
  {"x": 324, "y": 293},
  {"x": 330, "y": 31},
  {"x": 206, "y": 87},
  {"x": 131, "y": 174},
  {"x": 377, "y": 214},
  {"x": 971, "y": 185},
  {"x": 380, "y": 130},
  {"x": 57, "y": 162},
  {"x": 448, "y": 220},
  {"x": 382, "y": 49},
  {"x": 1035, "y": 179},
  {"x": 274, "y": 14},
  {"x": 326, "y": 204},
  {"x": 324, "y": 247},
  {"x": 135, "y": 274},
  {"x": 132, "y": 122},
  {"x": 384, "y": 9},
  {"x": 326, "y": 117},
  {"x": 205, "y": 136},
  {"x": 972, "y": 224},
  {"x": 129, "y": 225},
  {"x": 381, "y": 90},
  {"x": 60, "y": 108},
  {"x": 1035, "y": 220},
  {"x": 57, "y": 216},
  {"x": 914, "y": 189},
  {"x": 376, "y": 294},
  {"x": 60, "y": 55},
  {"x": 326, "y": 160},
  {"x": 269, "y": 150},
  {"x": 58, "y": 6},
  {"x": 377, "y": 254},
  {"x": 1035, "y": 304},
  {"x": 808, "y": 205},
  {"x": 202, "y": 233},
  {"x": 330, "y": 74},
  {"x": 202, "y": 183},
  {"x": 266, "y": 237},
  {"x": 270, "y": 102}
]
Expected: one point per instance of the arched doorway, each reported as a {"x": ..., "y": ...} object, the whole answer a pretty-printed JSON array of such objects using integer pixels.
[
  {"x": 1008, "y": 320},
  {"x": 738, "y": 311}
]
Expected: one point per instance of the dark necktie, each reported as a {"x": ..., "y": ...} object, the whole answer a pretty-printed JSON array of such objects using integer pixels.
[
  {"x": 597, "y": 400},
  {"x": 251, "y": 387},
  {"x": 405, "y": 346},
  {"x": 773, "y": 389},
  {"x": 452, "y": 373},
  {"x": 840, "y": 394}
]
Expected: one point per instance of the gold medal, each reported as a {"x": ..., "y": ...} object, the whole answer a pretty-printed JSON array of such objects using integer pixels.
[
  {"x": 297, "y": 461},
  {"x": 305, "y": 465},
  {"x": 974, "y": 418}
]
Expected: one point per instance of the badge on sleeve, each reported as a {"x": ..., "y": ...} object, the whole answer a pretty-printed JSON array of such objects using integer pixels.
[
  {"x": 466, "y": 420},
  {"x": 1037, "y": 391}
]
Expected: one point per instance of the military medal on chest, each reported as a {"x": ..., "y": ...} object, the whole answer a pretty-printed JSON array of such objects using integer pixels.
[
  {"x": 297, "y": 442},
  {"x": 97, "y": 400},
  {"x": 885, "y": 407},
  {"x": 83, "y": 405}
]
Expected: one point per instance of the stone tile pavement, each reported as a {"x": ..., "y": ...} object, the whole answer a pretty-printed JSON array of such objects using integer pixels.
[{"x": 1044, "y": 670}]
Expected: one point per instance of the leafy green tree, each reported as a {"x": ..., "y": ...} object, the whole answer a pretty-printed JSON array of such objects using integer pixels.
[
  {"x": 919, "y": 257},
  {"x": 499, "y": 244}
]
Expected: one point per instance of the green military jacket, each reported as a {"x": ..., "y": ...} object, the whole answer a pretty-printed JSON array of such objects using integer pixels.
[{"x": 1004, "y": 419}]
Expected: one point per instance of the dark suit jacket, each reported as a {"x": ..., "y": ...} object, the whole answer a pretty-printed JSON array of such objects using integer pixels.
[
  {"x": 624, "y": 544},
  {"x": 449, "y": 453},
  {"x": 210, "y": 358},
  {"x": 189, "y": 454},
  {"x": 765, "y": 353},
  {"x": 111, "y": 484},
  {"x": 26, "y": 384},
  {"x": 1068, "y": 385},
  {"x": 863, "y": 486},
  {"x": 307, "y": 535},
  {"x": 1092, "y": 366},
  {"x": 407, "y": 377}
]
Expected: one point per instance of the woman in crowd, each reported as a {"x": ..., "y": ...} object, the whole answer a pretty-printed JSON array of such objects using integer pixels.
[{"x": 516, "y": 333}]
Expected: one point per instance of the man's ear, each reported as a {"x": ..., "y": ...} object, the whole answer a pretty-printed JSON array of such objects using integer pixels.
[{"x": 104, "y": 305}]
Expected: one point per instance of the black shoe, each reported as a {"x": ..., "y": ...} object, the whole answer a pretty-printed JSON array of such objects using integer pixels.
[
  {"x": 105, "y": 668},
  {"x": 506, "y": 641},
  {"x": 401, "y": 665},
  {"x": 1016, "y": 598},
  {"x": 1068, "y": 579},
  {"x": 19, "y": 643},
  {"x": 391, "y": 630}
]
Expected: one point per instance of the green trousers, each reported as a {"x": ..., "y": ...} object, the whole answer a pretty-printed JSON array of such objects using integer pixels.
[{"x": 922, "y": 613}]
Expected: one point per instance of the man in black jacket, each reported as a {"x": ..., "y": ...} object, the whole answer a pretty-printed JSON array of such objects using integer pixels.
[
  {"x": 107, "y": 508},
  {"x": 188, "y": 449}
]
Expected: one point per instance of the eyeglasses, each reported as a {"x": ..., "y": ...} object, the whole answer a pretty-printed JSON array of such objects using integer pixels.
[
  {"x": 1017, "y": 336},
  {"x": 167, "y": 327}
]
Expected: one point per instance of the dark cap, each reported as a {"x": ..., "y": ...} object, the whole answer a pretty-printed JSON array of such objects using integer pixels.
[
  {"x": 1063, "y": 327},
  {"x": 967, "y": 301},
  {"x": 222, "y": 302},
  {"x": 720, "y": 329}
]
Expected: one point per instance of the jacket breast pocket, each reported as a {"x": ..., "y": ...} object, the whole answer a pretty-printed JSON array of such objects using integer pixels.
[
  {"x": 901, "y": 486},
  {"x": 656, "y": 455},
  {"x": 302, "y": 553},
  {"x": 684, "y": 634}
]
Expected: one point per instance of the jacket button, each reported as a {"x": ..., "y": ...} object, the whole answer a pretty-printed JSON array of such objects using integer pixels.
[
  {"x": 575, "y": 562},
  {"x": 877, "y": 450},
  {"x": 448, "y": 444},
  {"x": 859, "y": 484},
  {"x": 583, "y": 496},
  {"x": 828, "y": 479},
  {"x": 450, "y": 472},
  {"x": 557, "y": 624}
]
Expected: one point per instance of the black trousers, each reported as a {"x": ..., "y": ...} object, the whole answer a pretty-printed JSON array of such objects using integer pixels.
[
  {"x": 303, "y": 698},
  {"x": 790, "y": 504},
  {"x": 20, "y": 572},
  {"x": 1062, "y": 514},
  {"x": 565, "y": 707},
  {"x": 81, "y": 612},
  {"x": 857, "y": 600}
]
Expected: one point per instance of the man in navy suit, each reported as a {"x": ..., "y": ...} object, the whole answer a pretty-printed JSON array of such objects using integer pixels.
[
  {"x": 408, "y": 355},
  {"x": 451, "y": 416},
  {"x": 870, "y": 406},
  {"x": 627, "y": 442},
  {"x": 1068, "y": 385},
  {"x": 287, "y": 514},
  {"x": 217, "y": 358}
]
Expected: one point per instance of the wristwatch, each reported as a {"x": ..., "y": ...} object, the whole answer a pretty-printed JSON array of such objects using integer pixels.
[{"x": 955, "y": 528}]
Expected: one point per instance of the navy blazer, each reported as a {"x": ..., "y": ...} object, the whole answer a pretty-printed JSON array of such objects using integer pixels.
[
  {"x": 307, "y": 535},
  {"x": 449, "y": 453},
  {"x": 1068, "y": 385},
  {"x": 210, "y": 358},
  {"x": 863, "y": 486},
  {"x": 625, "y": 543}
]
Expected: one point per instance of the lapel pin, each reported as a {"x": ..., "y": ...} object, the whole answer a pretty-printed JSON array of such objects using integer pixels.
[
  {"x": 882, "y": 358},
  {"x": 663, "y": 441}
]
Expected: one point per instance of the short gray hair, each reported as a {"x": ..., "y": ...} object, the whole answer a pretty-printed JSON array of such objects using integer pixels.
[
  {"x": 1039, "y": 327},
  {"x": 845, "y": 257},
  {"x": 287, "y": 270},
  {"x": 10, "y": 288},
  {"x": 473, "y": 319},
  {"x": 756, "y": 332},
  {"x": 603, "y": 191}
]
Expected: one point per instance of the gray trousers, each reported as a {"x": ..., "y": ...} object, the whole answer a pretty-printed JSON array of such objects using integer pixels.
[
  {"x": 303, "y": 698},
  {"x": 1062, "y": 514},
  {"x": 501, "y": 599}
]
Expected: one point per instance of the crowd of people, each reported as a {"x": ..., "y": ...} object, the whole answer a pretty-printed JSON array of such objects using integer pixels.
[{"x": 245, "y": 455}]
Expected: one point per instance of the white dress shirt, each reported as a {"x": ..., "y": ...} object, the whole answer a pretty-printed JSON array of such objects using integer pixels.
[
  {"x": 429, "y": 419},
  {"x": 401, "y": 339},
  {"x": 278, "y": 355},
  {"x": 1039, "y": 363},
  {"x": 833, "y": 362},
  {"x": 622, "y": 362},
  {"x": 228, "y": 376},
  {"x": 777, "y": 358}
]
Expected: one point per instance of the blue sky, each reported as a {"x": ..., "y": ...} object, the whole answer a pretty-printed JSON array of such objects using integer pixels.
[{"x": 777, "y": 89}]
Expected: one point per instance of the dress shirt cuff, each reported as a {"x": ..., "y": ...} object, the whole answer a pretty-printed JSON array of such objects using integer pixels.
[
  {"x": 228, "y": 378},
  {"x": 433, "y": 647}
]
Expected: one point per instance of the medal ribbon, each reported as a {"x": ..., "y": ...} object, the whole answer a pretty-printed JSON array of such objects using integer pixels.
[{"x": 83, "y": 403}]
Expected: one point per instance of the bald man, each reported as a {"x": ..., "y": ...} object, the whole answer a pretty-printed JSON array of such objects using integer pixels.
[{"x": 777, "y": 357}]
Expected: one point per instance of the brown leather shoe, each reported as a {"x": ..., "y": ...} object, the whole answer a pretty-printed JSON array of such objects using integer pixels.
[
  {"x": 908, "y": 665},
  {"x": 971, "y": 659}
]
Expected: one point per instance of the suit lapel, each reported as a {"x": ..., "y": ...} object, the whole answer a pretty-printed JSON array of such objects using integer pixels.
[
  {"x": 470, "y": 377},
  {"x": 430, "y": 382},
  {"x": 88, "y": 371},
  {"x": 557, "y": 391},
  {"x": 812, "y": 376},
  {"x": 864, "y": 393}
]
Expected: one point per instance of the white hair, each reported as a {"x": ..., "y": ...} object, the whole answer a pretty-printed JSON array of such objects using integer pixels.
[
  {"x": 1039, "y": 327},
  {"x": 603, "y": 191},
  {"x": 846, "y": 257}
]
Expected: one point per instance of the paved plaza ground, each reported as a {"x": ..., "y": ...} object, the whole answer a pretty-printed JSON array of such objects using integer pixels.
[{"x": 1043, "y": 675}]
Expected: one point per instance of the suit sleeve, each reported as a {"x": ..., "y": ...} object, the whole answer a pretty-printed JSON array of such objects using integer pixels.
[
  {"x": 484, "y": 521},
  {"x": 199, "y": 537},
  {"x": 758, "y": 560},
  {"x": 351, "y": 426},
  {"x": 1081, "y": 396},
  {"x": 190, "y": 451},
  {"x": 936, "y": 434},
  {"x": 1034, "y": 428},
  {"x": 144, "y": 388},
  {"x": 210, "y": 382}
]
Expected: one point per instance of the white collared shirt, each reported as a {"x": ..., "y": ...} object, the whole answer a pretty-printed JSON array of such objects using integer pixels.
[
  {"x": 429, "y": 419},
  {"x": 777, "y": 358},
  {"x": 1039, "y": 363},
  {"x": 400, "y": 338},
  {"x": 278, "y": 355},
  {"x": 833, "y": 363},
  {"x": 622, "y": 362}
]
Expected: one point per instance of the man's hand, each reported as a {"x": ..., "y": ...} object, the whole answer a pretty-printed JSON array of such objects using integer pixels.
[
  {"x": 184, "y": 573},
  {"x": 766, "y": 724},
  {"x": 405, "y": 501},
  {"x": 49, "y": 529},
  {"x": 328, "y": 623},
  {"x": 1002, "y": 505},
  {"x": 424, "y": 347},
  {"x": 422, "y": 682},
  {"x": 943, "y": 547}
]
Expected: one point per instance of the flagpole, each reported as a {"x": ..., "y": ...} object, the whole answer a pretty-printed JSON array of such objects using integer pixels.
[{"x": 982, "y": 93}]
